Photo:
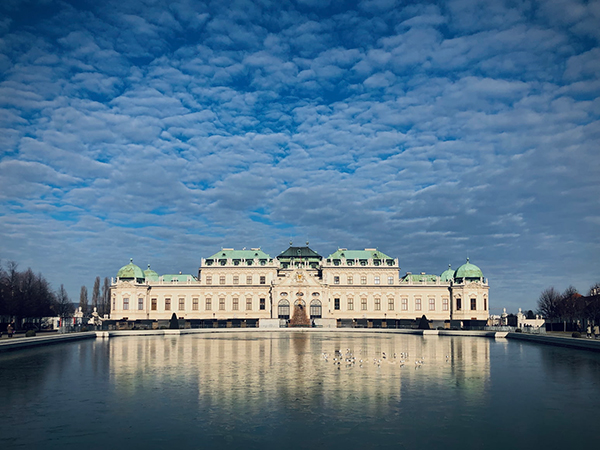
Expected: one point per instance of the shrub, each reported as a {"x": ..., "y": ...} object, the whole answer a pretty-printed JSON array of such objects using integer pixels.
[
  {"x": 84, "y": 329},
  {"x": 424, "y": 323},
  {"x": 440, "y": 328},
  {"x": 30, "y": 333},
  {"x": 518, "y": 330},
  {"x": 174, "y": 322},
  {"x": 576, "y": 334}
]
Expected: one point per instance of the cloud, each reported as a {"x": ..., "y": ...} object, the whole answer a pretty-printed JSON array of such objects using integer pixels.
[{"x": 430, "y": 131}]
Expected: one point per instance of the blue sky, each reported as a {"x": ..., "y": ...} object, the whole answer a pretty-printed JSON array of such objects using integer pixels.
[{"x": 433, "y": 131}]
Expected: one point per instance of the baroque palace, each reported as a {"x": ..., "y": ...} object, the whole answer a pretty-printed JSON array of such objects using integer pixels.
[{"x": 300, "y": 287}]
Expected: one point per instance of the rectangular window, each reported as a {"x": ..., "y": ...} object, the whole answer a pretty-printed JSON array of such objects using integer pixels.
[
  {"x": 208, "y": 279},
  {"x": 390, "y": 304},
  {"x": 248, "y": 279},
  {"x": 444, "y": 304},
  {"x": 377, "y": 304},
  {"x": 350, "y": 279},
  {"x": 222, "y": 279},
  {"x": 125, "y": 303},
  {"x": 390, "y": 280},
  {"x": 195, "y": 303},
  {"x": 417, "y": 304},
  {"x": 363, "y": 280},
  {"x": 376, "y": 280},
  {"x": 458, "y": 304},
  {"x": 262, "y": 304},
  {"x": 336, "y": 303},
  {"x": 208, "y": 304},
  {"x": 154, "y": 304},
  {"x": 114, "y": 302},
  {"x": 140, "y": 304},
  {"x": 249, "y": 304},
  {"x": 432, "y": 304},
  {"x": 167, "y": 304},
  {"x": 263, "y": 279},
  {"x": 222, "y": 304},
  {"x": 363, "y": 304},
  {"x": 336, "y": 280},
  {"x": 473, "y": 304},
  {"x": 181, "y": 304},
  {"x": 350, "y": 304},
  {"x": 485, "y": 304},
  {"x": 236, "y": 279},
  {"x": 404, "y": 304},
  {"x": 236, "y": 304}
]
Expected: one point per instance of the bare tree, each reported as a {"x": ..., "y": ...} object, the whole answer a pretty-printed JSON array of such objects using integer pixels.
[
  {"x": 96, "y": 294},
  {"x": 106, "y": 296},
  {"x": 83, "y": 299},
  {"x": 549, "y": 303},
  {"x": 569, "y": 305},
  {"x": 63, "y": 305},
  {"x": 13, "y": 290}
]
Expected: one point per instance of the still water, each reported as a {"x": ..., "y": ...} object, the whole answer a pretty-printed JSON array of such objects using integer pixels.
[{"x": 284, "y": 390}]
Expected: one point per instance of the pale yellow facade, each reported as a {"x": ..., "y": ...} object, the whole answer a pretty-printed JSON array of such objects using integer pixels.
[{"x": 345, "y": 290}]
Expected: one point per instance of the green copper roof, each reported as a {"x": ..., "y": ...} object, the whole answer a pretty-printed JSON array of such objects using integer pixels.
[
  {"x": 150, "y": 274},
  {"x": 468, "y": 270},
  {"x": 130, "y": 271},
  {"x": 358, "y": 254},
  {"x": 299, "y": 252},
  {"x": 448, "y": 274},
  {"x": 419, "y": 278},
  {"x": 229, "y": 253},
  {"x": 180, "y": 278}
]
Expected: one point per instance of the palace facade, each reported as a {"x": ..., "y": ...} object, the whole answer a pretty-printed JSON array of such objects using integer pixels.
[{"x": 346, "y": 288}]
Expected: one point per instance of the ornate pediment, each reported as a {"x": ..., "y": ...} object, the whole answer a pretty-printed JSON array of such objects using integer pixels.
[{"x": 300, "y": 277}]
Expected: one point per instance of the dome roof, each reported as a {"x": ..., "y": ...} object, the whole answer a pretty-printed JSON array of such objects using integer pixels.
[
  {"x": 130, "y": 271},
  {"x": 468, "y": 270},
  {"x": 150, "y": 274},
  {"x": 448, "y": 274}
]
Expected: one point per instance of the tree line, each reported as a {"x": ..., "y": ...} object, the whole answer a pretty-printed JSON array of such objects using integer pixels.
[
  {"x": 25, "y": 294},
  {"x": 570, "y": 306},
  {"x": 100, "y": 299}
]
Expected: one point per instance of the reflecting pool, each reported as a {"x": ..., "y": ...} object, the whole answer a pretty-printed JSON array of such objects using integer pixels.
[{"x": 296, "y": 390}]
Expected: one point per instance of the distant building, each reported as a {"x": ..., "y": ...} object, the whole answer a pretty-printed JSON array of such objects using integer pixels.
[
  {"x": 518, "y": 320},
  {"x": 347, "y": 287}
]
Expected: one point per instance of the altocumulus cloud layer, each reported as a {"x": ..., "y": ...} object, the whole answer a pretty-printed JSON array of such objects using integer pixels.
[{"x": 431, "y": 130}]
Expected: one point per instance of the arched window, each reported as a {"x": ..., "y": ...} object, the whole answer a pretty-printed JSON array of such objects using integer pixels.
[
  {"x": 315, "y": 309},
  {"x": 283, "y": 309}
]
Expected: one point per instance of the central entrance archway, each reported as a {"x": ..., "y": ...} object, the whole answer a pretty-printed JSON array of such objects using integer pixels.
[{"x": 299, "y": 316}]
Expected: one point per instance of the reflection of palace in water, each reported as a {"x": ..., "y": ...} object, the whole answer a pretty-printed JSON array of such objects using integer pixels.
[
  {"x": 251, "y": 369},
  {"x": 348, "y": 285}
]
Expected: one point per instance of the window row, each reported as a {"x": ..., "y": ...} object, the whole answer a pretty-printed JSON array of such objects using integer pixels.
[
  {"x": 262, "y": 279},
  {"x": 473, "y": 304},
  {"x": 391, "y": 304},
  {"x": 247, "y": 304},
  {"x": 362, "y": 279}
]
